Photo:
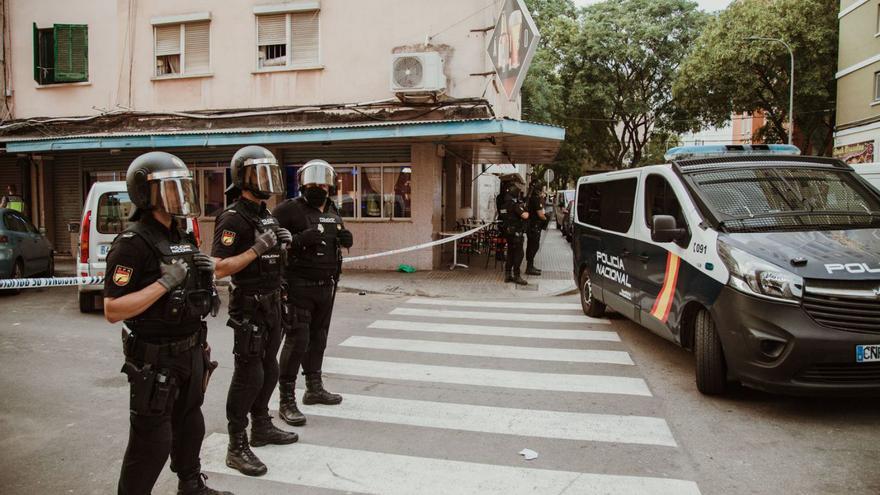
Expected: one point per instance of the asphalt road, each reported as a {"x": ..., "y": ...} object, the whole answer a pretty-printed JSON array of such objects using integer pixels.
[{"x": 434, "y": 405}]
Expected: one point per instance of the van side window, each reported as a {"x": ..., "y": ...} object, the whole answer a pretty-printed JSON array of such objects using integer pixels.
[
  {"x": 607, "y": 205},
  {"x": 660, "y": 199}
]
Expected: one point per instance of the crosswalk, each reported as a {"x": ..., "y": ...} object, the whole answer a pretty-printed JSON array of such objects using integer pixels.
[{"x": 440, "y": 394}]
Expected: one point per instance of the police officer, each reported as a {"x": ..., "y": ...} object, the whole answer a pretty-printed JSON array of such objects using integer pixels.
[
  {"x": 312, "y": 275},
  {"x": 248, "y": 245},
  {"x": 12, "y": 200},
  {"x": 513, "y": 216},
  {"x": 162, "y": 287},
  {"x": 536, "y": 223}
]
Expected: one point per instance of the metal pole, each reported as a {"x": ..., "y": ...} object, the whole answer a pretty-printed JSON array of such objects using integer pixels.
[{"x": 791, "y": 82}]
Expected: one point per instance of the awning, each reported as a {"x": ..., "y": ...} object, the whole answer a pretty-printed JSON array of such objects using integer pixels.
[{"x": 475, "y": 140}]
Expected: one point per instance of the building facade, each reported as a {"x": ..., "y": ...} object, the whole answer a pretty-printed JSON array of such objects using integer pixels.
[
  {"x": 857, "y": 133},
  {"x": 91, "y": 84}
]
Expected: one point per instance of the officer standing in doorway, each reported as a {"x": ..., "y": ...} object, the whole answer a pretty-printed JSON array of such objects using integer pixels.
[
  {"x": 248, "y": 244},
  {"x": 513, "y": 215},
  {"x": 536, "y": 223},
  {"x": 162, "y": 287},
  {"x": 312, "y": 276}
]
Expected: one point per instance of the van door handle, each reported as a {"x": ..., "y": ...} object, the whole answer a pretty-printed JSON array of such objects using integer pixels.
[{"x": 644, "y": 257}]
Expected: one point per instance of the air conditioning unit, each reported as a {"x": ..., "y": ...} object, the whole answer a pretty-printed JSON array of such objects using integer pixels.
[{"x": 417, "y": 73}]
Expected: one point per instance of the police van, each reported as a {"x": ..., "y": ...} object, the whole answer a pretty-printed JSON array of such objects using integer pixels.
[{"x": 763, "y": 262}]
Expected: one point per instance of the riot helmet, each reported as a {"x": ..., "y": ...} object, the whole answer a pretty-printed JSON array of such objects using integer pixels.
[
  {"x": 311, "y": 177},
  {"x": 161, "y": 181},
  {"x": 255, "y": 169}
]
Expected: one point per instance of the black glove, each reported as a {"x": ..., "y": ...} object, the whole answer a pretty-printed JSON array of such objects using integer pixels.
[
  {"x": 308, "y": 238},
  {"x": 284, "y": 236},
  {"x": 345, "y": 238},
  {"x": 173, "y": 274},
  {"x": 265, "y": 241},
  {"x": 204, "y": 262}
]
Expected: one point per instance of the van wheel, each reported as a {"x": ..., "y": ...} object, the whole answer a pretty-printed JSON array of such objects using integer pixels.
[
  {"x": 589, "y": 304},
  {"x": 86, "y": 302},
  {"x": 711, "y": 368}
]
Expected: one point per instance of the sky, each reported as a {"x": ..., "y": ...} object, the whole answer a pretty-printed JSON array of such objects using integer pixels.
[{"x": 707, "y": 5}]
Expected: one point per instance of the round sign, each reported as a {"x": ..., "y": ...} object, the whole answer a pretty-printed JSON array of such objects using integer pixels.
[{"x": 549, "y": 176}]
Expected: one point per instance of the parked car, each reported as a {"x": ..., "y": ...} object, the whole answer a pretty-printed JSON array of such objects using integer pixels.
[
  {"x": 566, "y": 221},
  {"x": 105, "y": 214},
  {"x": 563, "y": 198},
  {"x": 24, "y": 251},
  {"x": 764, "y": 262}
]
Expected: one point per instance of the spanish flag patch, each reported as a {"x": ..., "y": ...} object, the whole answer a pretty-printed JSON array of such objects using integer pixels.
[
  {"x": 663, "y": 303},
  {"x": 227, "y": 238},
  {"x": 122, "y": 275}
]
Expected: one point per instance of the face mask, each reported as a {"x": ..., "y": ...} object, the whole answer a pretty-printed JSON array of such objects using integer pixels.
[{"x": 315, "y": 196}]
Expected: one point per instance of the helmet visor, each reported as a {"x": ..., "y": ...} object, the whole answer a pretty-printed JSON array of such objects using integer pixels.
[
  {"x": 264, "y": 178},
  {"x": 176, "y": 196},
  {"x": 317, "y": 174}
]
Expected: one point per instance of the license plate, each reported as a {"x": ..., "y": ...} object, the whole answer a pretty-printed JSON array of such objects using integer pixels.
[
  {"x": 867, "y": 353},
  {"x": 103, "y": 249}
]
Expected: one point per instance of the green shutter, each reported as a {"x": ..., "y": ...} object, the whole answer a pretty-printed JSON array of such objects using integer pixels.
[
  {"x": 36, "y": 53},
  {"x": 71, "y": 52}
]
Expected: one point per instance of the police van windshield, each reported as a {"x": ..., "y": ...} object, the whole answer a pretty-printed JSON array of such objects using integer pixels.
[
  {"x": 787, "y": 198},
  {"x": 113, "y": 211}
]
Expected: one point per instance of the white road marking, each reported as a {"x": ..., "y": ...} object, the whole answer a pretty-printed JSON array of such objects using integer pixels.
[
  {"x": 481, "y": 315},
  {"x": 494, "y": 304},
  {"x": 535, "y": 333},
  {"x": 362, "y": 471},
  {"x": 588, "y": 427},
  {"x": 491, "y": 350},
  {"x": 526, "y": 380}
]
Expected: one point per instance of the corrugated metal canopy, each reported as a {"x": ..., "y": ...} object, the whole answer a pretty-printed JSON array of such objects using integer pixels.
[{"x": 476, "y": 140}]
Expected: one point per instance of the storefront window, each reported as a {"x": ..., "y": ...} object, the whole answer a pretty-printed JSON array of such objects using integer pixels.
[
  {"x": 214, "y": 192},
  {"x": 345, "y": 191},
  {"x": 373, "y": 191},
  {"x": 398, "y": 200}
]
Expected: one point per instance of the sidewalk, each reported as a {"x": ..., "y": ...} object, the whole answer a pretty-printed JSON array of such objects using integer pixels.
[{"x": 554, "y": 259}]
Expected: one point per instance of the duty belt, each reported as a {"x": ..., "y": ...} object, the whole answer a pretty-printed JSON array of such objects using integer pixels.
[
  {"x": 149, "y": 352},
  {"x": 302, "y": 282}
]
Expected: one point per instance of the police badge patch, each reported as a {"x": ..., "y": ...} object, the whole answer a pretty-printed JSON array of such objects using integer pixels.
[
  {"x": 122, "y": 275},
  {"x": 228, "y": 237}
]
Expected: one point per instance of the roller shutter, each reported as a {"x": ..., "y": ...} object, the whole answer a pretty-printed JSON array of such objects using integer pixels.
[{"x": 68, "y": 199}]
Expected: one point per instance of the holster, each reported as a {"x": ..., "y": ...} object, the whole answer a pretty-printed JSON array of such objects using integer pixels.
[
  {"x": 249, "y": 338},
  {"x": 152, "y": 391}
]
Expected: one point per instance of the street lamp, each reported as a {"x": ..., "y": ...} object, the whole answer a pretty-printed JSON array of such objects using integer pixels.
[{"x": 791, "y": 80}]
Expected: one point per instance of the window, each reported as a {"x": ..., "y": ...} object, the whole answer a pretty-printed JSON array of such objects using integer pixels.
[
  {"x": 214, "y": 183},
  {"x": 877, "y": 86},
  {"x": 182, "y": 49},
  {"x": 114, "y": 209},
  {"x": 660, "y": 199},
  {"x": 607, "y": 205},
  {"x": 467, "y": 186},
  {"x": 61, "y": 54},
  {"x": 374, "y": 191},
  {"x": 287, "y": 40},
  {"x": 15, "y": 223}
]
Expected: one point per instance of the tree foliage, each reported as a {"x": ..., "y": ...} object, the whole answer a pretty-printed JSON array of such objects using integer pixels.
[{"x": 727, "y": 74}]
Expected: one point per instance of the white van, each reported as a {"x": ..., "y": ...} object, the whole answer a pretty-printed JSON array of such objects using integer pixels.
[{"x": 105, "y": 214}]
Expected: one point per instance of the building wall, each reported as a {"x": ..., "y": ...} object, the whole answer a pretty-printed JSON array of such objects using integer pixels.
[
  {"x": 859, "y": 43},
  {"x": 357, "y": 39}
]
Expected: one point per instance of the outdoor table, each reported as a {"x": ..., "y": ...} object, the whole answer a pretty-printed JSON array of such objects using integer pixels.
[{"x": 455, "y": 262}]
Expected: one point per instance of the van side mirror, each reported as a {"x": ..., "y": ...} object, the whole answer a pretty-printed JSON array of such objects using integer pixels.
[{"x": 664, "y": 229}]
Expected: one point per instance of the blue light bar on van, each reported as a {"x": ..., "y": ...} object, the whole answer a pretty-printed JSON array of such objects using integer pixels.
[{"x": 711, "y": 150}]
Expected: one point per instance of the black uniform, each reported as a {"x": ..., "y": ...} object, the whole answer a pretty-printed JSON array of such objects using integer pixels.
[
  {"x": 513, "y": 228},
  {"x": 535, "y": 226},
  {"x": 165, "y": 354},
  {"x": 311, "y": 276},
  {"x": 254, "y": 311}
]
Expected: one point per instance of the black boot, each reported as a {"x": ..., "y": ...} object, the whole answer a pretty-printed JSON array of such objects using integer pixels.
[
  {"x": 531, "y": 270},
  {"x": 264, "y": 432},
  {"x": 508, "y": 277},
  {"x": 315, "y": 393},
  {"x": 287, "y": 410},
  {"x": 518, "y": 280},
  {"x": 240, "y": 456},
  {"x": 197, "y": 486}
]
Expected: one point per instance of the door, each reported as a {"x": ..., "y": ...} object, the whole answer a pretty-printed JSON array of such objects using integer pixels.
[
  {"x": 606, "y": 245},
  {"x": 21, "y": 241},
  {"x": 42, "y": 250},
  {"x": 657, "y": 266}
]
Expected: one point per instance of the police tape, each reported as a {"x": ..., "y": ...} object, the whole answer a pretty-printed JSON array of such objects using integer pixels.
[{"x": 34, "y": 283}]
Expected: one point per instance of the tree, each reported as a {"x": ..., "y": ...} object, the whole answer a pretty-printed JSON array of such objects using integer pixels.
[
  {"x": 621, "y": 65},
  {"x": 726, "y": 74}
]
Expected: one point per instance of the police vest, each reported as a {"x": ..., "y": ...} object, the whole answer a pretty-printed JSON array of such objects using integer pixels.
[
  {"x": 14, "y": 202},
  {"x": 326, "y": 255},
  {"x": 184, "y": 305},
  {"x": 265, "y": 272},
  {"x": 510, "y": 215}
]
